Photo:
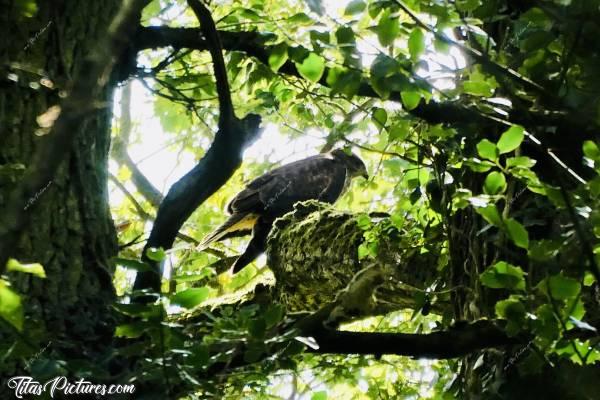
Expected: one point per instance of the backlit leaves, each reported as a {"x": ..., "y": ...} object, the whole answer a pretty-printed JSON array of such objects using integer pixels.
[
  {"x": 191, "y": 297},
  {"x": 34, "y": 269},
  {"x": 487, "y": 150},
  {"x": 503, "y": 276},
  {"x": 495, "y": 183},
  {"x": 278, "y": 56},
  {"x": 416, "y": 43},
  {"x": 312, "y": 67},
  {"x": 387, "y": 29},
  {"x": 511, "y": 139},
  {"x": 11, "y": 309}
]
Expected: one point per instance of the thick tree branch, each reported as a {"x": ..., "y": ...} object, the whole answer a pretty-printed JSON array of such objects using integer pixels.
[
  {"x": 79, "y": 103},
  {"x": 438, "y": 345},
  {"x": 207, "y": 25},
  {"x": 357, "y": 300},
  {"x": 213, "y": 170}
]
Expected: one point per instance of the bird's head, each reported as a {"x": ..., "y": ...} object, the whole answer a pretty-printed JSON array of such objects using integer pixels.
[{"x": 353, "y": 163}]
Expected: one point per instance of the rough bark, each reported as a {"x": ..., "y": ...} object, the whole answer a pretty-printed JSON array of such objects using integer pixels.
[{"x": 71, "y": 232}]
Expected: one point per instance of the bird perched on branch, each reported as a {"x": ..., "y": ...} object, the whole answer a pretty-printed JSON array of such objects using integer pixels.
[{"x": 323, "y": 177}]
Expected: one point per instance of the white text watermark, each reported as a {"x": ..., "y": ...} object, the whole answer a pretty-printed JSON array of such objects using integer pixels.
[{"x": 60, "y": 387}]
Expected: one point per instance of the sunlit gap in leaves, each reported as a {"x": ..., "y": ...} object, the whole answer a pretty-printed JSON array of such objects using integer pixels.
[
  {"x": 313, "y": 377},
  {"x": 160, "y": 158}
]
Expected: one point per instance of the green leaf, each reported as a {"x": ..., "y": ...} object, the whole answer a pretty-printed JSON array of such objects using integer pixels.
[
  {"x": 517, "y": 233},
  {"x": 26, "y": 8},
  {"x": 416, "y": 43},
  {"x": 384, "y": 66},
  {"x": 257, "y": 328},
  {"x": 278, "y": 56},
  {"x": 300, "y": 19},
  {"x": 560, "y": 287},
  {"x": 321, "y": 395},
  {"x": 399, "y": 131},
  {"x": 503, "y": 276},
  {"x": 379, "y": 117},
  {"x": 274, "y": 315},
  {"x": 298, "y": 53},
  {"x": 345, "y": 36},
  {"x": 34, "y": 269},
  {"x": 511, "y": 139},
  {"x": 487, "y": 150},
  {"x": 186, "y": 277},
  {"x": 521, "y": 161},
  {"x": 132, "y": 330},
  {"x": 11, "y": 309},
  {"x": 461, "y": 199},
  {"x": 490, "y": 214},
  {"x": 537, "y": 17},
  {"x": 478, "y": 165},
  {"x": 318, "y": 39},
  {"x": 387, "y": 29},
  {"x": 494, "y": 183},
  {"x": 312, "y": 67},
  {"x": 468, "y": 5},
  {"x": 512, "y": 310},
  {"x": 156, "y": 254},
  {"x": 132, "y": 264},
  {"x": 536, "y": 40},
  {"x": 343, "y": 80},
  {"x": 355, "y": 7},
  {"x": 591, "y": 151},
  {"x": 478, "y": 88},
  {"x": 410, "y": 99},
  {"x": 191, "y": 297},
  {"x": 546, "y": 325}
]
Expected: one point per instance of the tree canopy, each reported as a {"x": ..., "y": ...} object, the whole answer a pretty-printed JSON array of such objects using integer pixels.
[{"x": 467, "y": 265}]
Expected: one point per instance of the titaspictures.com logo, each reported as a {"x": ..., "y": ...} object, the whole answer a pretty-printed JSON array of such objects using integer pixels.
[{"x": 27, "y": 386}]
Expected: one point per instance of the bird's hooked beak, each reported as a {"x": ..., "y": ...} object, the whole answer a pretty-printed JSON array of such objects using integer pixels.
[{"x": 364, "y": 174}]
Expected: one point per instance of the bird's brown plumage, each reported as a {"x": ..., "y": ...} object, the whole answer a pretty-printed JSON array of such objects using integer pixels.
[{"x": 323, "y": 177}]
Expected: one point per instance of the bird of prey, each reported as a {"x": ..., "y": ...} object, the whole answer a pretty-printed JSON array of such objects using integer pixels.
[{"x": 323, "y": 177}]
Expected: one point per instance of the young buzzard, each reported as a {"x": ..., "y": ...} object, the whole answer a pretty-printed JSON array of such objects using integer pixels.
[{"x": 324, "y": 177}]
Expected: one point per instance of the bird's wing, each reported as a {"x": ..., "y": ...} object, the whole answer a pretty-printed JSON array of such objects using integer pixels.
[
  {"x": 249, "y": 199},
  {"x": 275, "y": 193},
  {"x": 318, "y": 177}
]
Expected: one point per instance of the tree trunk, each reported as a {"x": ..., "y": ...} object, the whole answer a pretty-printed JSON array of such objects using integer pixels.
[{"x": 71, "y": 232}]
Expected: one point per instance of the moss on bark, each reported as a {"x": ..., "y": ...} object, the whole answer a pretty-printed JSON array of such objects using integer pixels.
[{"x": 313, "y": 253}]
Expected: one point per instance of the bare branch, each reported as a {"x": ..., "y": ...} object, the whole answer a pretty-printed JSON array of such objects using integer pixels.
[{"x": 120, "y": 154}]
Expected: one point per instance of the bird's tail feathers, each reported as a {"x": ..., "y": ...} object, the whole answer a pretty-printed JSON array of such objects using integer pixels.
[{"x": 237, "y": 222}]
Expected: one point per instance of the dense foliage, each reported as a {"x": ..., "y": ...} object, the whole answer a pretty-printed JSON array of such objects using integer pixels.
[{"x": 478, "y": 121}]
